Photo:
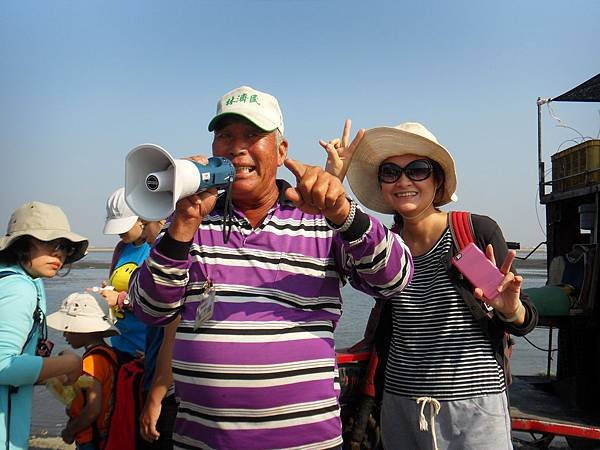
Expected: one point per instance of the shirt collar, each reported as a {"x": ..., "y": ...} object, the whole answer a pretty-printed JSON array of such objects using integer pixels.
[{"x": 282, "y": 186}]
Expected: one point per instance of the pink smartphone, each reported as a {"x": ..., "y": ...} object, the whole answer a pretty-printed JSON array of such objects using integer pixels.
[{"x": 479, "y": 270}]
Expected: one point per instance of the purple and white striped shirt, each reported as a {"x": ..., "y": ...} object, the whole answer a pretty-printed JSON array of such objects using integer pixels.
[{"x": 261, "y": 373}]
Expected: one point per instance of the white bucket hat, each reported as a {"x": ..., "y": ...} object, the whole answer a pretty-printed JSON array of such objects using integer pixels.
[
  {"x": 81, "y": 313},
  {"x": 44, "y": 222},
  {"x": 119, "y": 216},
  {"x": 258, "y": 107},
  {"x": 379, "y": 144}
]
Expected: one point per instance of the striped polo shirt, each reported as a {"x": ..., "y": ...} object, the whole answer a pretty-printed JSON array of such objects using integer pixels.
[
  {"x": 261, "y": 372},
  {"x": 437, "y": 348}
]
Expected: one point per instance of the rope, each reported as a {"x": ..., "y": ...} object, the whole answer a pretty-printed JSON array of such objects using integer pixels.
[{"x": 434, "y": 409}]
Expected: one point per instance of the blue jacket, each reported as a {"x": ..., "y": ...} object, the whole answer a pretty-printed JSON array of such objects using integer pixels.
[{"x": 18, "y": 364}]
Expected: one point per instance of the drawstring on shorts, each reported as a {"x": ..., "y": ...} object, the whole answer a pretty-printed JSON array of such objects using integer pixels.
[{"x": 434, "y": 409}]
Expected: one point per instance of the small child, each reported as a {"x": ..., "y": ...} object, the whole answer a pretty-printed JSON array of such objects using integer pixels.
[{"x": 85, "y": 324}]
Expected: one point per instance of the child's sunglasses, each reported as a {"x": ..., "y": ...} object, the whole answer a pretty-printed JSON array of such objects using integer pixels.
[{"x": 417, "y": 170}]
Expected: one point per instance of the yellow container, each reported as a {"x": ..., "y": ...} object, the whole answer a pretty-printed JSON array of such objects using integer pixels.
[{"x": 576, "y": 167}]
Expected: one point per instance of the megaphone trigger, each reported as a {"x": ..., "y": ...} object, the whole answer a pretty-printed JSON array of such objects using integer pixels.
[{"x": 155, "y": 181}]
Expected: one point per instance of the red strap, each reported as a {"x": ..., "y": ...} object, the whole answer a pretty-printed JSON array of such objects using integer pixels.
[{"x": 461, "y": 228}]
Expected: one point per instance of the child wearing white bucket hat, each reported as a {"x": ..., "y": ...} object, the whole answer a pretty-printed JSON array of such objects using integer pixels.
[
  {"x": 37, "y": 244},
  {"x": 131, "y": 251},
  {"x": 85, "y": 324},
  {"x": 405, "y": 171}
]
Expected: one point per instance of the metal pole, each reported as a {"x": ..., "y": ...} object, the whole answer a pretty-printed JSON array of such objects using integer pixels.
[
  {"x": 541, "y": 170},
  {"x": 549, "y": 366}
]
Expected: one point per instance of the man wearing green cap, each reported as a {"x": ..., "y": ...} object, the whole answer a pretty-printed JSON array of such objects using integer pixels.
[{"x": 258, "y": 371}]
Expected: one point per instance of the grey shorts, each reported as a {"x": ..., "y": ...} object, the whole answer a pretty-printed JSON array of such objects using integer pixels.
[{"x": 480, "y": 423}]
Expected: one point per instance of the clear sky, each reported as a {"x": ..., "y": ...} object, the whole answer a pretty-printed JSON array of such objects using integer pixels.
[{"x": 83, "y": 82}]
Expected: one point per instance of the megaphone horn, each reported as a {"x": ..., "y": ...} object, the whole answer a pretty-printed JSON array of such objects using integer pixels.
[{"x": 155, "y": 181}]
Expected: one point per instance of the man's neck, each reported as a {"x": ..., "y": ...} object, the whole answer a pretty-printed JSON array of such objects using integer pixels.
[{"x": 257, "y": 209}]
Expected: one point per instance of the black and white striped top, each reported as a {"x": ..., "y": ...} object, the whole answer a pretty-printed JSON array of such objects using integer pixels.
[{"x": 437, "y": 348}]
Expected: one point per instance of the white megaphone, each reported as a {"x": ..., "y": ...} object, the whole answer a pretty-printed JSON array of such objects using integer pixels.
[{"x": 154, "y": 181}]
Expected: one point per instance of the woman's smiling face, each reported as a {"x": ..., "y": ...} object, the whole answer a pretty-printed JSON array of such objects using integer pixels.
[{"x": 405, "y": 196}]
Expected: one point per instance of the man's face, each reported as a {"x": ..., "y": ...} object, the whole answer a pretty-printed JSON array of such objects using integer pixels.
[{"x": 254, "y": 155}]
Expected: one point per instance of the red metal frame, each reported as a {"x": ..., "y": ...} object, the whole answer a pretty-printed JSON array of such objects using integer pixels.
[{"x": 557, "y": 429}]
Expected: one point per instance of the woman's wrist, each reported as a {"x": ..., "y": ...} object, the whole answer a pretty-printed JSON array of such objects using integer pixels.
[{"x": 514, "y": 316}]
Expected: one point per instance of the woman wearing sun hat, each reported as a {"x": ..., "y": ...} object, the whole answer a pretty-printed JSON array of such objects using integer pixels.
[
  {"x": 446, "y": 346},
  {"x": 37, "y": 244}
]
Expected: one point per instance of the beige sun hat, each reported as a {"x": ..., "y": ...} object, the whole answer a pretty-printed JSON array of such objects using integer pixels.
[
  {"x": 258, "y": 107},
  {"x": 81, "y": 313},
  {"x": 379, "y": 144},
  {"x": 44, "y": 222}
]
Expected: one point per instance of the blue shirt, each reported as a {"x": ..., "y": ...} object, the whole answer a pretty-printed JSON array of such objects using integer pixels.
[
  {"x": 18, "y": 364},
  {"x": 133, "y": 332}
]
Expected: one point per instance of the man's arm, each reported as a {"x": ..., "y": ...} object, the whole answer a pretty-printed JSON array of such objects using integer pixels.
[
  {"x": 376, "y": 260},
  {"x": 157, "y": 290}
]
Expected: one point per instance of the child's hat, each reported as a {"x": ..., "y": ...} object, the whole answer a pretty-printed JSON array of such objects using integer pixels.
[
  {"x": 81, "y": 313},
  {"x": 119, "y": 216}
]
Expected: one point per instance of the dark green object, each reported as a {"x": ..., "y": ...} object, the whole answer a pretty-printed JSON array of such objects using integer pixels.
[{"x": 549, "y": 300}]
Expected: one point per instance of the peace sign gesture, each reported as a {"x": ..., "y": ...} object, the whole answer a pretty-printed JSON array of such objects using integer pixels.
[{"x": 339, "y": 153}]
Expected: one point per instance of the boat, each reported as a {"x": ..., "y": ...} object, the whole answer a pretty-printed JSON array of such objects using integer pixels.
[{"x": 565, "y": 403}]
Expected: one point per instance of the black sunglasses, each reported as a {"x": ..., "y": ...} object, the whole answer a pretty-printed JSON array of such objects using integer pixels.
[
  {"x": 417, "y": 170},
  {"x": 59, "y": 245}
]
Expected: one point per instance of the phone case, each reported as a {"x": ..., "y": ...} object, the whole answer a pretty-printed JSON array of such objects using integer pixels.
[{"x": 479, "y": 270}]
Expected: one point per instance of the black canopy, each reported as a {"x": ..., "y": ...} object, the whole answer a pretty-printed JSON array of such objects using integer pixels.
[{"x": 588, "y": 91}]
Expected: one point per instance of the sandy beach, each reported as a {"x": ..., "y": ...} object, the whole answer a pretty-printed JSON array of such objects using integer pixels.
[{"x": 46, "y": 442}]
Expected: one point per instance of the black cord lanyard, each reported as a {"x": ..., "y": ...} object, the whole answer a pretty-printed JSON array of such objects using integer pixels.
[{"x": 227, "y": 214}]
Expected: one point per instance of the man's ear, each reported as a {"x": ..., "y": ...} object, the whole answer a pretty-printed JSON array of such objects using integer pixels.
[{"x": 282, "y": 151}]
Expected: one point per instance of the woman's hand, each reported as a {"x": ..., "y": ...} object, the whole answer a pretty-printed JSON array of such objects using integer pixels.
[
  {"x": 339, "y": 153},
  {"x": 508, "y": 302},
  {"x": 72, "y": 362}
]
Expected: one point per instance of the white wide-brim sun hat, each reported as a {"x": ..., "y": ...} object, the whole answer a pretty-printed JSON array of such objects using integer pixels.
[
  {"x": 381, "y": 143},
  {"x": 81, "y": 313}
]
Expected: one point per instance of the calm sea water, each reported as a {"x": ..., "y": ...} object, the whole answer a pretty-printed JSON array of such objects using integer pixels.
[{"x": 49, "y": 415}]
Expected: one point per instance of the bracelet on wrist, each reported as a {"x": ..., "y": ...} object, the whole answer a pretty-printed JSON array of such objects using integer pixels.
[
  {"x": 514, "y": 317},
  {"x": 348, "y": 222}
]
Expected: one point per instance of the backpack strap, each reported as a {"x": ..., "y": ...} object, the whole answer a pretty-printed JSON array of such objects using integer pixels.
[
  {"x": 105, "y": 351},
  {"x": 461, "y": 228},
  {"x": 110, "y": 355}
]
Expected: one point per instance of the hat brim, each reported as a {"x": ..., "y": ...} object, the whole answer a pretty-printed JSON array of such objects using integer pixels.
[
  {"x": 80, "y": 324},
  {"x": 80, "y": 242},
  {"x": 379, "y": 144},
  {"x": 119, "y": 226},
  {"x": 260, "y": 122}
]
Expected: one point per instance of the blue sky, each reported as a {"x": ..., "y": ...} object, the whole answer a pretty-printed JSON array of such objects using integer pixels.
[{"x": 83, "y": 82}]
